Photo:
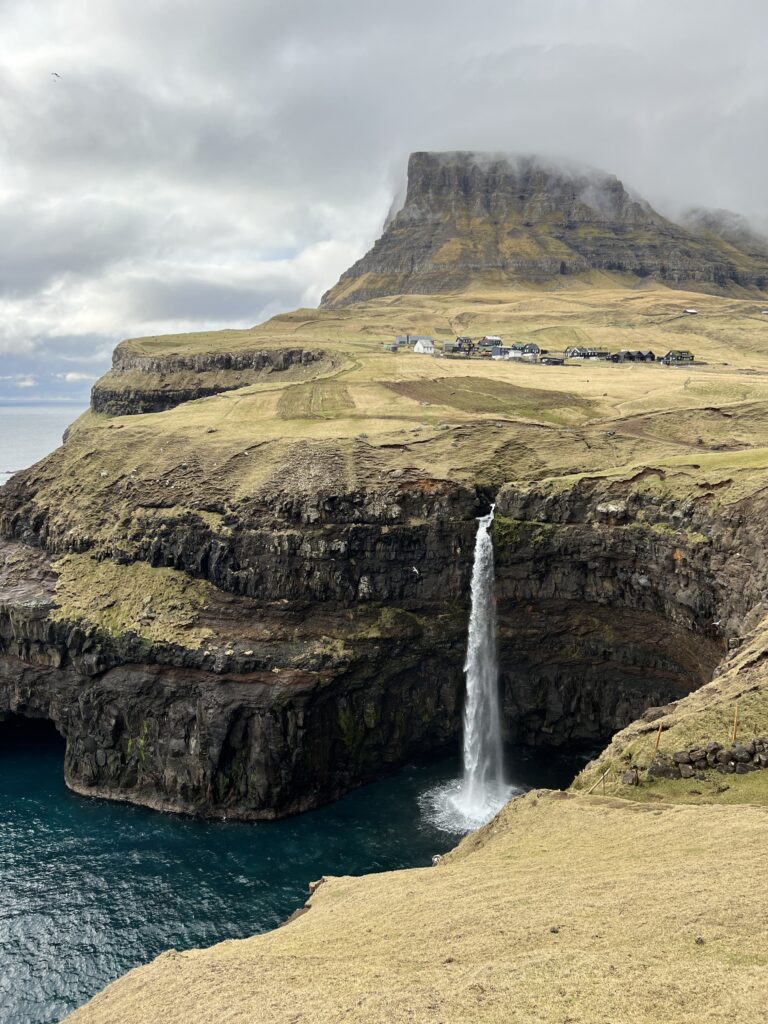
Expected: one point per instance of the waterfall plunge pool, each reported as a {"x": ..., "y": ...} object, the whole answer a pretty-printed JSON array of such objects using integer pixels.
[{"x": 93, "y": 888}]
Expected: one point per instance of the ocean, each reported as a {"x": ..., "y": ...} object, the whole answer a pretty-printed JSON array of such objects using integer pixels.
[{"x": 28, "y": 432}]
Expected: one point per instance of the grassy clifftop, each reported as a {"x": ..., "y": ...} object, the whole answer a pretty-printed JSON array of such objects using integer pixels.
[
  {"x": 578, "y": 909},
  {"x": 359, "y": 416}
]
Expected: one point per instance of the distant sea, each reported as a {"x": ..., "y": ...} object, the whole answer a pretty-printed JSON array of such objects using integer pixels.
[{"x": 29, "y": 432}]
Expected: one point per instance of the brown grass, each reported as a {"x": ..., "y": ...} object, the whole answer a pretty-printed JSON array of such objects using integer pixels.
[
  {"x": 474, "y": 394},
  {"x": 325, "y": 399},
  {"x": 582, "y": 910}
]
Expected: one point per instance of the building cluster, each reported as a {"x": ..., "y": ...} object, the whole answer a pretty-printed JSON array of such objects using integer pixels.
[{"x": 491, "y": 346}]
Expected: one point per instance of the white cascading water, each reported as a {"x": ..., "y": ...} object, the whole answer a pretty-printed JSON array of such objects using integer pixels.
[
  {"x": 483, "y": 752},
  {"x": 473, "y": 800}
]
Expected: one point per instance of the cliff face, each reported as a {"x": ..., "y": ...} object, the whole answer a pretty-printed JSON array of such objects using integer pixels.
[
  {"x": 334, "y": 648},
  {"x": 248, "y": 604},
  {"x": 143, "y": 383},
  {"x": 480, "y": 218},
  {"x": 316, "y": 660}
]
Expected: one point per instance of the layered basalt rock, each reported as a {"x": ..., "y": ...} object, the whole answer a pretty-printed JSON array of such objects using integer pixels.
[
  {"x": 144, "y": 383},
  {"x": 335, "y": 662},
  {"x": 599, "y": 619},
  {"x": 499, "y": 220},
  {"x": 244, "y": 744},
  {"x": 337, "y": 636}
]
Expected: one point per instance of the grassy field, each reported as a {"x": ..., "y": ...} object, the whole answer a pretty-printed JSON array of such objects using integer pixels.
[
  {"x": 364, "y": 413},
  {"x": 324, "y": 399},
  {"x": 563, "y": 909},
  {"x": 730, "y": 336},
  {"x": 602, "y": 311}
]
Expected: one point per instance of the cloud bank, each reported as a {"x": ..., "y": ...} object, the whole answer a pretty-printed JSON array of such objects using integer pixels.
[{"x": 197, "y": 165}]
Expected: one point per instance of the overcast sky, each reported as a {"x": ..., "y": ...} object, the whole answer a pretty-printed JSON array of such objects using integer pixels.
[{"x": 203, "y": 164}]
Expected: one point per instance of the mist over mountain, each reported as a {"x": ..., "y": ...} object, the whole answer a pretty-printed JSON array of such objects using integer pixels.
[
  {"x": 498, "y": 219},
  {"x": 728, "y": 227}
]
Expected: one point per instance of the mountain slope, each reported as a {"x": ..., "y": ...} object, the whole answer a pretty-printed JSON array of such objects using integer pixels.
[{"x": 470, "y": 218}]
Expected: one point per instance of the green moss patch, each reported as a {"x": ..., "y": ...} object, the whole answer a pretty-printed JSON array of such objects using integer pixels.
[
  {"x": 159, "y": 605},
  {"x": 509, "y": 534}
]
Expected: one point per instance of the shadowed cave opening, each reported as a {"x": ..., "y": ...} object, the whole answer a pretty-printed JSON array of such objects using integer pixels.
[
  {"x": 545, "y": 766},
  {"x": 20, "y": 733}
]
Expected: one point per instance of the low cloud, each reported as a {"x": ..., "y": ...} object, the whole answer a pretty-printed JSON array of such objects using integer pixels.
[
  {"x": 19, "y": 380},
  {"x": 74, "y": 378}
]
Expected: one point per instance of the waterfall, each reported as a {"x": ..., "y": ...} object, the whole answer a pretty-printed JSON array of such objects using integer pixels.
[
  {"x": 468, "y": 803},
  {"x": 483, "y": 753}
]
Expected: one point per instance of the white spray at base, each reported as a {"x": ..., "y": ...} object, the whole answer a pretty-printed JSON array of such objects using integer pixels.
[{"x": 482, "y": 792}]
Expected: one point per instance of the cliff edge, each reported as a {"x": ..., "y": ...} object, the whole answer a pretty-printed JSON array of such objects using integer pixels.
[{"x": 564, "y": 908}]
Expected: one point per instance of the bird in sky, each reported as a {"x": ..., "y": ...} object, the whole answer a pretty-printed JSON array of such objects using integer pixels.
[{"x": 56, "y": 74}]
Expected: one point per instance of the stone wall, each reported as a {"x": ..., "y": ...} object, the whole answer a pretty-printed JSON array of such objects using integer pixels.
[{"x": 728, "y": 759}]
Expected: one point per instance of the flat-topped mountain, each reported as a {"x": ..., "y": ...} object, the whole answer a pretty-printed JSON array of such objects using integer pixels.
[{"x": 498, "y": 220}]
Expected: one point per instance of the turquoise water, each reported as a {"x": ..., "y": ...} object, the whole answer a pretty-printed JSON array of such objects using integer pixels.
[{"x": 90, "y": 889}]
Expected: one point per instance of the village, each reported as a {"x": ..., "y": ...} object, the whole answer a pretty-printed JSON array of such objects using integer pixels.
[{"x": 491, "y": 346}]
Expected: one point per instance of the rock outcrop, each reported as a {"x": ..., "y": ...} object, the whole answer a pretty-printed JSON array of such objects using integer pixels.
[
  {"x": 499, "y": 221},
  {"x": 146, "y": 383}
]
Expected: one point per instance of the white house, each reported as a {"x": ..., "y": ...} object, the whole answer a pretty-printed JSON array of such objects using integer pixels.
[
  {"x": 410, "y": 340},
  {"x": 520, "y": 350},
  {"x": 425, "y": 346}
]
